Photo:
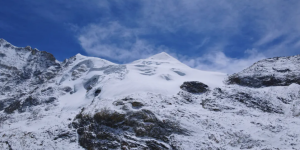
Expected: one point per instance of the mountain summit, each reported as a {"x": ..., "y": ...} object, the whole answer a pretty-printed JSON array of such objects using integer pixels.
[
  {"x": 153, "y": 103},
  {"x": 162, "y": 56}
]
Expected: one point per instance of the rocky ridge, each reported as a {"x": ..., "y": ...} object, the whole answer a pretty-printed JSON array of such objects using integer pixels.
[
  {"x": 277, "y": 71},
  {"x": 154, "y": 103}
]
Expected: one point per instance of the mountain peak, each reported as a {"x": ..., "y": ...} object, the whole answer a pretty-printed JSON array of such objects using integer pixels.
[
  {"x": 79, "y": 55},
  {"x": 162, "y": 56},
  {"x": 3, "y": 41},
  {"x": 117, "y": 105}
]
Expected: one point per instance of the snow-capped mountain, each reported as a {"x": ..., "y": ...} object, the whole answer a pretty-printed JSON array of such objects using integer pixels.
[{"x": 154, "y": 103}]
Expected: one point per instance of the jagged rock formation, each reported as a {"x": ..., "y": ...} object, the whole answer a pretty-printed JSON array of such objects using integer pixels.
[
  {"x": 278, "y": 71},
  {"x": 154, "y": 103},
  {"x": 114, "y": 130}
]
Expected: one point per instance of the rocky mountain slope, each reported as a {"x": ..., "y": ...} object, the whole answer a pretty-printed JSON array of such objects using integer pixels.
[
  {"x": 154, "y": 103},
  {"x": 278, "y": 71}
]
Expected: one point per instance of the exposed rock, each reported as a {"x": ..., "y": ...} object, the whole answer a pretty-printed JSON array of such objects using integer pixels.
[
  {"x": 27, "y": 103},
  {"x": 130, "y": 115},
  {"x": 80, "y": 69},
  {"x": 5, "y": 103},
  {"x": 48, "y": 91},
  {"x": 112, "y": 130},
  {"x": 136, "y": 104},
  {"x": 12, "y": 107},
  {"x": 256, "y": 102},
  {"x": 97, "y": 92},
  {"x": 243, "y": 141},
  {"x": 50, "y": 100},
  {"x": 278, "y": 71},
  {"x": 2, "y": 55},
  {"x": 194, "y": 87},
  {"x": 212, "y": 105},
  {"x": 186, "y": 96},
  {"x": 29, "y": 67},
  {"x": 63, "y": 135}
]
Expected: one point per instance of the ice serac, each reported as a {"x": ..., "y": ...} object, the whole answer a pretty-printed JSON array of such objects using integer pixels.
[{"x": 153, "y": 103}]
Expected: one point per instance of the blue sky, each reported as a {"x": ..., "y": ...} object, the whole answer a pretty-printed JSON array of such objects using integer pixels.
[{"x": 217, "y": 35}]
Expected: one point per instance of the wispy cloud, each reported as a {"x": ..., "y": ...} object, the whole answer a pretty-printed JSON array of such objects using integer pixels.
[
  {"x": 211, "y": 35},
  {"x": 218, "y": 61},
  {"x": 114, "y": 41}
]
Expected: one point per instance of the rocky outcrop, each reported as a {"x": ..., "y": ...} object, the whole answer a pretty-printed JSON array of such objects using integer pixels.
[
  {"x": 12, "y": 107},
  {"x": 278, "y": 71},
  {"x": 256, "y": 102},
  {"x": 25, "y": 67},
  {"x": 113, "y": 130},
  {"x": 194, "y": 87}
]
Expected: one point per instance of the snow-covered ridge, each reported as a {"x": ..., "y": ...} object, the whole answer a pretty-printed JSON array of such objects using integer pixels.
[
  {"x": 153, "y": 103},
  {"x": 277, "y": 71},
  {"x": 160, "y": 73}
]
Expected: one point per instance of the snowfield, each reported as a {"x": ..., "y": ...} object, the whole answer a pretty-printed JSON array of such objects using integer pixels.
[{"x": 91, "y": 103}]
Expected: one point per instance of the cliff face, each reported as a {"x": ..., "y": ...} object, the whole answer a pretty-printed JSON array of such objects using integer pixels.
[
  {"x": 25, "y": 67},
  {"x": 154, "y": 103}
]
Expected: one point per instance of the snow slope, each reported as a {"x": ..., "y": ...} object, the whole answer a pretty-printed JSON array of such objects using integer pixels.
[{"x": 91, "y": 103}]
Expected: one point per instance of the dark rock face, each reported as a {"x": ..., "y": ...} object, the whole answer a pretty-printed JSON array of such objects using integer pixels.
[
  {"x": 97, "y": 92},
  {"x": 278, "y": 71},
  {"x": 2, "y": 55},
  {"x": 112, "y": 130},
  {"x": 12, "y": 107},
  {"x": 5, "y": 103},
  {"x": 28, "y": 68},
  {"x": 64, "y": 135},
  {"x": 36, "y": 68},
  {"x": 212, "y": 105},
  {"x": 50, "y": 100},
  {"x": 45, "y": 68},
  {"x": 27, "y": 103},
  {"x": 136, "y": 105},
  {"x": 194, "y": 87},
  {"x": 223, "y": 97},
  {"x": 258, "y": 81},
  {"x": 255, "y": 102},
  {"x": 21, "y": 106}
]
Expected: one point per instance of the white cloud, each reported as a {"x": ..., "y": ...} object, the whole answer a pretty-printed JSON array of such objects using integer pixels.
[
  {"x": 193, "y": 15},
  {"x": 216, "y": 21},
  {"x": 218, "y": 61},
  {"x": 115, "y": 42}
]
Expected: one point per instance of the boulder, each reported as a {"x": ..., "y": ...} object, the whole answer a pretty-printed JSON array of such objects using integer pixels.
[{"x": 194, "y": 87}]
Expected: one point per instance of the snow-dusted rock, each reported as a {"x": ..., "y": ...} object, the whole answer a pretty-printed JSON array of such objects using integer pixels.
[
  {"x": 277, "y": 71},
  {"x": 91, "y": 103},
  {"x": 194, "y": 87}
]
